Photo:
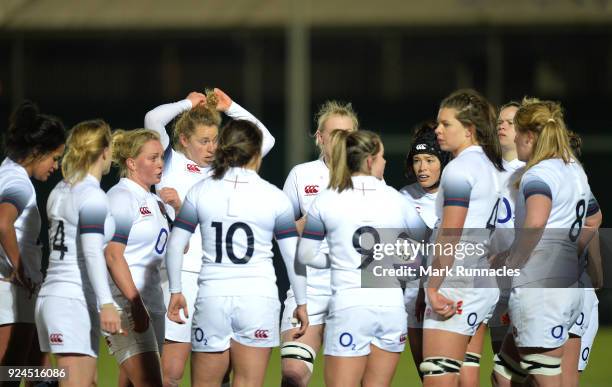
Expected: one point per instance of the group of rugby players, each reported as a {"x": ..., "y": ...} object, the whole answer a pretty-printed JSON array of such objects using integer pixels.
[{"x": 188, "y": 271}]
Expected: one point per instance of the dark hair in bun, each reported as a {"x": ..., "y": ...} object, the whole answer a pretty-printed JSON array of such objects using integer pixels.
[{"x": 32, "y": 134}]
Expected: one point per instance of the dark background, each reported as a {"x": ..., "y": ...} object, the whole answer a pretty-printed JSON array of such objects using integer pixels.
[{"x": 395, "y": 78}]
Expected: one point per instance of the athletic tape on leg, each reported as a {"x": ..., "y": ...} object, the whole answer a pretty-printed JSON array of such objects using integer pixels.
[
  {"x": 437, "y": 366},
  {"x": 472, "y": 359},
  {"x": 538, "y": 364},
  {"x": 508, "y": 368},
  {"x": 299, "y": 351}
]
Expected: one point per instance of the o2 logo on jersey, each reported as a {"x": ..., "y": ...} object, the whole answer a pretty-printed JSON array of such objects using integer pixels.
[
  {"x": 311, "y": 189},
  {"x": 56, "y": 339},
  {"x": 162, "y": 239},
  {"x": 508, "y": 212},
  {"x": 144, "y": 211},
  {"x": 262, "y": 334},
  {"x": 193, "y": 168},
  {"x": 346, "y": 340}
]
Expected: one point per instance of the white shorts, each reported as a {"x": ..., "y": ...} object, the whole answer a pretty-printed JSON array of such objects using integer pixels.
[
  {"x": 478, "y": 303},
  {"x": 181, "y": 333},
  {"x": 543, "y": 317},
  {"x": 410, "y": 298},
  {"x": 350, "y": 332},
  {"x": 151, "y": 340},
  {"x": 67, "y": 325},
  {"x": 249, "y": 320},
  {"x": 318, "y": 308},
  {"x": 16, "y": 305},
  {"x": 587, "y": 339},
  {"x": 582, "y": 323}
]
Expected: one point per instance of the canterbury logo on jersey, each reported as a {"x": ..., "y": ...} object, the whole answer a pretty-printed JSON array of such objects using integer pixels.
[
  {"x": 262, "y": 334},
  {"x": 403, "y": 338},
  {"x": 144, "y": 211},
  {"x": 56, "y": 338},
  {"x": 421, "y": 147},
  {"x": 193, "y": 168},
  {"x": 311, "y": 189}
]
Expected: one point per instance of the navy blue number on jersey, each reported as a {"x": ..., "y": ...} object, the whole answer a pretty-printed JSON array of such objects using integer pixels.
[
  {"x": 367, "y": 255},
  {"x": 577, "y": 225},
  {"x": 58, "y": 240},
  {"x": 229, "y": 238}
]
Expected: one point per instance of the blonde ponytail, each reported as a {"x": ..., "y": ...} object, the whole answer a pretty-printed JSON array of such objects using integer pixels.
[
  {"x": 349, "y": 151},
  {"x": 86, "y": 142}
]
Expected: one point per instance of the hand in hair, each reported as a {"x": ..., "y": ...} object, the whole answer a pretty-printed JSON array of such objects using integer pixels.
[
  {"x": 171, "y": 197},
  {"x": 196, "y": 98},
  {"x": 223, "y": 100}
]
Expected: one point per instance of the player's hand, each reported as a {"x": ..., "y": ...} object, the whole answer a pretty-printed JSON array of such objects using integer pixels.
[
  {"x": 196, "y": 98},
  {"x": 110, "y": 321},
  {"x": 177, "y": 302},
  {"x": 440, "y": 304},
  {"x": 419, "y": 307},
  {"x": 301, "y": 314},
  {"x": 19, "y": 278},
  {"x": 300, "y": 224},
  {"x": 224, "y": 101},
  {"x": 140, "y": 315},
  {"x": 498, "y": 260},
  {"x": 171, "y": 197}
]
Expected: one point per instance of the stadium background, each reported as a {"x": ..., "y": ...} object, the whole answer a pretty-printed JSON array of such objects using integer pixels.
[{"x": 394, "y": 60}]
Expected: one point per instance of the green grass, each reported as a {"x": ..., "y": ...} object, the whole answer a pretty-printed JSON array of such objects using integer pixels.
[{"x": 597, "y": 374}]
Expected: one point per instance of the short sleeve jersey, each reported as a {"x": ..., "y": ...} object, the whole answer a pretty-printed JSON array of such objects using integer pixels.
[
  {"x": 141, "y": 225},
  {"x": 17, "y": 189}
]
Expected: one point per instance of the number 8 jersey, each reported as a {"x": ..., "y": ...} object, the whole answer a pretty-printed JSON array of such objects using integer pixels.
[
  {"x": 141, "y": 225},
  {"x": 555, "y": 255}
]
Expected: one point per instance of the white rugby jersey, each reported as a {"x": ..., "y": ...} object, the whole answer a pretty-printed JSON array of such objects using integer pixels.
[
  {"x": 181, "y": 173},
  {"x": 302, "y": 186},
  {"x": 504, "y": 235},
  {"x": 424, "y": 202},
  {"x": 17, "y": 189},
  {"x": 342, "y": 218},
  {"x": 74, "y": 213},
  {"x": 470, "y": 180},
  {"x": 238, "y": 216},
  {"x": 141, "y": 225},
  {"x": 556, "y": 254}
]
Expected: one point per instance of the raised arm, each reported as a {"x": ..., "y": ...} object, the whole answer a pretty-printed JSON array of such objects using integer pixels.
[
  {"x": 237, "y": 112},
  {"x": 158, "y": 118}
]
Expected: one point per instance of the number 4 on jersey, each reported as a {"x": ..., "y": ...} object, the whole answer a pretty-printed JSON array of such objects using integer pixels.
[{"x": 58, "y": 240}]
